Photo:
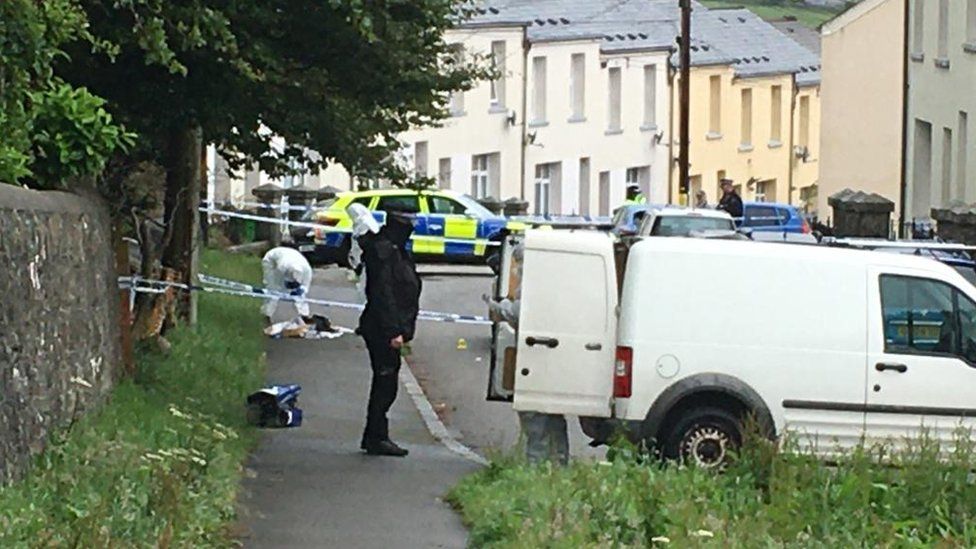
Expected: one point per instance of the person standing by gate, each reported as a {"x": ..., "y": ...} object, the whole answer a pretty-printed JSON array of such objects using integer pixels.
[{"x": 388, "y": 322}]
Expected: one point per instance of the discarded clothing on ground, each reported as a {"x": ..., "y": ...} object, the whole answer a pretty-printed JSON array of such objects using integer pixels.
[
  {"x": 275, "y": 406},
  {"x": 315, "y": 327}
]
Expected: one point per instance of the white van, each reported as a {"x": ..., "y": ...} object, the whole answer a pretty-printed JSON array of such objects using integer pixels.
[{"x": 693, "y": 336}]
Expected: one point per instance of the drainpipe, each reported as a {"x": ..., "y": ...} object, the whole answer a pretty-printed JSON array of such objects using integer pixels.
[
  {"x": 789, "y": 152},
  {"x": 671, "y": 75},
  {"x": 903, "y": 191},
  {"x": 525, "y": 112}
]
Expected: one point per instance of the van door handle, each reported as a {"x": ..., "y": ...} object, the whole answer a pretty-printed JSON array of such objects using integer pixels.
[
  {"x": 550, "y": 342},
  {"x": 593, "y": 346},
  {"x": 882, "y": 366}
]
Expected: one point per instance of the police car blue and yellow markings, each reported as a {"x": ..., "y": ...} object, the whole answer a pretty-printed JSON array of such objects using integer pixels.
[{"x": 434, "y": 233}]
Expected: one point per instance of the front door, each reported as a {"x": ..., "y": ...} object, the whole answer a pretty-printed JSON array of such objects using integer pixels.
[
  {"x": 567, "y": 324},
  {"x": 922, "y": 358}
]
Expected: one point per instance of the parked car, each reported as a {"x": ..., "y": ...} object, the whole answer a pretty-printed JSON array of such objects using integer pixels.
[
  {"x": 684, "y": 340},
  {"x": 627, "y": 219},
  {"x": 679, "y": 221},
  {"x": 450, "y": 225}
]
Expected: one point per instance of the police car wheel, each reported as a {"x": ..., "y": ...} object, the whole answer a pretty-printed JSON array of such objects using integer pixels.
[{"x": 707, "y": 437}]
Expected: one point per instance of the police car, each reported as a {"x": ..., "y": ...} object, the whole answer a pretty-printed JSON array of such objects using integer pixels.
[{"x": 449, "y": 225}]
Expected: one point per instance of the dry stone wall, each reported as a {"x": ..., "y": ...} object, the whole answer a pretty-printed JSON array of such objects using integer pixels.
[{"x": 59, "y": 308}]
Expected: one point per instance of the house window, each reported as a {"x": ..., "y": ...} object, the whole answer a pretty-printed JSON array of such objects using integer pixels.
[
  {"x": 498, "y": 84},
  {"x": 584, "y": 186},
  {"x": 943, "y": 54},
  {"x": 640, "y": 176},
  {"x": 715, "y": 106},
  {"x": 918, "y": 30},
  {"x": 614, "y": 105},
  {"x": 746, "y": 141},
  {"x": 946, "y": 165},
  {"x": 604, "y": 205},
  {"x": 546, "y": 188},
  {"x": 577, "y": 86},
  {"x": 444, "y": 173},
  {"x": 776, "y": 115},
  {"x": 650, "y": 96},
  {"x": 456, "y": 106},
  {"x": 420, "y": 158},
  {"x": 804, "y": 138},
  {"x": 479, "y": 176},
  {"x": 539, "y": 90},
  {"x": 766, "y": 191},
  {"x": 962, "y": 154},
  {"x": 971, "y": 22},
  {"x": 921, "y": 185}
]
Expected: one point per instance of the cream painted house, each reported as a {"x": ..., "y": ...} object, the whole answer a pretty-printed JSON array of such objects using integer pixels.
[
  {"x": 584, "y": 109},
  {"x": 940, "y": 155},
  {"x": 862, "y": 102},
  {"x": 755, "y": 107},
  {"x": 585, "y": 105}
]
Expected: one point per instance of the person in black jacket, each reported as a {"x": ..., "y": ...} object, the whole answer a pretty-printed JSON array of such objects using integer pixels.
[
  {"x": 388, "y": 322},
  {"x": 731, "y": 202}
]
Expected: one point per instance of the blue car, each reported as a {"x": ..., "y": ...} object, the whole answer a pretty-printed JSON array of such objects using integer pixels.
[{"x": 772, "y": 217}]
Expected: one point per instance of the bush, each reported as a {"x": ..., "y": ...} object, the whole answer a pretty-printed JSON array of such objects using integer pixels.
[
  {"x": 160, "y": 464},
  {"x": 870, "y": 497}
]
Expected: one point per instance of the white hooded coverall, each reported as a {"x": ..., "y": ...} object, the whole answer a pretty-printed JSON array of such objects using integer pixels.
[
  {"x": 282, "y": 265},
  {"x": 362, "y": 222}
]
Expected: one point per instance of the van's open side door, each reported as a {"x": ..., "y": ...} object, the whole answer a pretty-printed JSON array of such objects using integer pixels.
[
  {"x": 501, "y": 373},
  {"x": 567, "y": 324}
]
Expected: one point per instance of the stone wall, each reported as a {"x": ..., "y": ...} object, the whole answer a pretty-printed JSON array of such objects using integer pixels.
[{"x": 59, "y": 309}]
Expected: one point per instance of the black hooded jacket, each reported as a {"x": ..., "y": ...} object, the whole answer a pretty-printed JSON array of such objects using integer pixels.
[{"x": 392, "y": 284}]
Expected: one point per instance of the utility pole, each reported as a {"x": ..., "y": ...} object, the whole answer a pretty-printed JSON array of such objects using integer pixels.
[{"x": 685, "y": 101}]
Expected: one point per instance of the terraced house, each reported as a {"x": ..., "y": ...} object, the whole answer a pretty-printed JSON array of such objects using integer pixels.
[{"x": 584, "y": 104}]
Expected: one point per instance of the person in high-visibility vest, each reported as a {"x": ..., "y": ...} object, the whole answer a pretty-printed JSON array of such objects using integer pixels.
[{"x": 634, "y": 195}]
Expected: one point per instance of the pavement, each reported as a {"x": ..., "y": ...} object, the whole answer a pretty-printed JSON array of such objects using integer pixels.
[{"x": 311, "y": 486}]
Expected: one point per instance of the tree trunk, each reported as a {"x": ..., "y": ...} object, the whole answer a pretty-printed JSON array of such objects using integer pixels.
[{"x": 182, "y": 164}]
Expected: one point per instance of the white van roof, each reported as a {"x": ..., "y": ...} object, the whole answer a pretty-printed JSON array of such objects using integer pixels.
[{"x": 812, "y": 254}]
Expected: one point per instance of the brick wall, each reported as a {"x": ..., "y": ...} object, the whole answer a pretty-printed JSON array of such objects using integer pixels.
[{"x": 59, "y": 331}]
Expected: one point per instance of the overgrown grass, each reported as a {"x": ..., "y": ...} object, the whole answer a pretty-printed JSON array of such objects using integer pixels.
[
  {"x": 811, "y": 16},
  {"x": 160, "y": 463},
  {"x": 766, "y": 499}
]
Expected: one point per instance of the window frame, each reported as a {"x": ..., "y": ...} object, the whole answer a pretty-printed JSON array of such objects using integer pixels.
[
  {"x": 956, "y": 320},
  {"x": 480, "y": 175},
  {"x": 381, "y": 198}
]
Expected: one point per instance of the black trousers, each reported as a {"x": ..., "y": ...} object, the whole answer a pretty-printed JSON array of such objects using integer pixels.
[{"x": 385, "y": 362}]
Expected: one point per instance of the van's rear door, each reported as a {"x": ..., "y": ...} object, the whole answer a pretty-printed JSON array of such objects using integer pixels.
[{"x": 567, "y": 324}]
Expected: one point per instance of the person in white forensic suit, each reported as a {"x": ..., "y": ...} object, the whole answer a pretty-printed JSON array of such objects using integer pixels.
[
  {"x": 363, "y": 223},
  {"x": 286, "y": 271}
]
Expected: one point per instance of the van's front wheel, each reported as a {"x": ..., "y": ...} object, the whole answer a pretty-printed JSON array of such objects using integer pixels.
[{"x": 704, "y": 436}]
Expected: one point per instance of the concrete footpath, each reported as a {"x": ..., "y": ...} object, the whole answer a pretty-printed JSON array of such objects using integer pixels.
[{"x": 311, "y": 486}]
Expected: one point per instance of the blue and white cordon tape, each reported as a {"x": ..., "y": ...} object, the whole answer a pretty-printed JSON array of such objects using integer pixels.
[{"x": 212, "y": 284}]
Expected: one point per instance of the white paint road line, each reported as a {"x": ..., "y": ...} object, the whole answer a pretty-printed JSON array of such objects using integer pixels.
[{"x": 434, "y": 424}]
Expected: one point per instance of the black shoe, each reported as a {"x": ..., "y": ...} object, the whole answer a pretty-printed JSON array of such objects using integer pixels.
[{"x": 385, "y": 448}]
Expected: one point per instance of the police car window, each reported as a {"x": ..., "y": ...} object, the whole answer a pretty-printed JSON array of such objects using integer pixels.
[
  {"x": 446, "y": 206},
  {"x": 364, "y": 200},
  {"x": 408, "y": 203},
  {"x": 919, "y": 316},
  {"x": 761, "y": 216}
]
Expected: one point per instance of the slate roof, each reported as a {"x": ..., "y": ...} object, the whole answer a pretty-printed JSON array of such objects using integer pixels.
[
  {"x": 800, "y": 33},
  {"x": 719, "y": 37}
]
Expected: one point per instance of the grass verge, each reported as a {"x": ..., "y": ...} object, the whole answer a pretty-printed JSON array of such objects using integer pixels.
[
  {"x": 766, "y": 499},
  {"x": 160, "y": 463},
  {"x": 811, "y": 16}
]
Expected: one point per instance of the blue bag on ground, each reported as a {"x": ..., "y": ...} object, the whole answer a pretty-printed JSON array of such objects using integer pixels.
[{"x": 275, "y": 406}]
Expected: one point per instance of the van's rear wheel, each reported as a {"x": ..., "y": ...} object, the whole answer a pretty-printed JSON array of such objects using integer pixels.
[{"x": 706, "y": 437}]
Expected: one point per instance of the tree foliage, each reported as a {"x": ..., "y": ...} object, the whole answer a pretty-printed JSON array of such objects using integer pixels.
[
  {"x": 339, "y": 77},
  {"x": 51, "y": 130}
]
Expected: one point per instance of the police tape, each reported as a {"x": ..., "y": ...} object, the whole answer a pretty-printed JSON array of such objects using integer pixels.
[
  {"x": 215, "y": 285},
  {"x": 331, "y": 229}
]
